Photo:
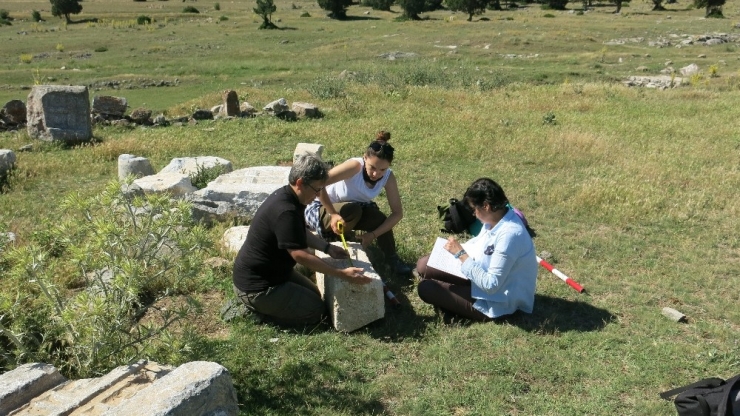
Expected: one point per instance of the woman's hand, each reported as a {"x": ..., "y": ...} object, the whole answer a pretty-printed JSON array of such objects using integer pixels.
[
  {"x": 335, "y": 219},
  {"x": 452, "y": 245},
  {"x": 367, "y": 239}
]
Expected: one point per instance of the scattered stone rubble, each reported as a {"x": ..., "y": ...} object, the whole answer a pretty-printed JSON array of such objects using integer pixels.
[{"x": 680, "y": 41}]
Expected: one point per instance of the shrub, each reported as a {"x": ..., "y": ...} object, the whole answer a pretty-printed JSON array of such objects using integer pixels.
[
  {"x": 26, "y": 58},
  {"x": 265, "y": 9},
  {"x": 190, "y": 9},
  {"x": 305, "y": 14},
  {"x": 36, "y": 16},
  {"x": 326, "y": 87},
  {"x": 216, "y": 6},
  {"x": 222, "y": 18},
  {"x": 123, "y": 254},
  {"x": 5, "y": 17},
  {"x": 549, "y": 118},
  {"x": 143, "y": 20},
  {"x": 101, "y": 49},
  {"x": 548, "y": 15},
  {"x": 60, "y": 47},
  {"x": 203, "y": 175}
]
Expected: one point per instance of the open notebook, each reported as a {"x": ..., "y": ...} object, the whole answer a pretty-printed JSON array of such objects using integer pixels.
[{"x": 443, "y": 260}]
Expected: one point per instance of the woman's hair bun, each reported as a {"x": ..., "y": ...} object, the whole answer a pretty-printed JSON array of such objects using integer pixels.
[{"x": 383, "y": 136}]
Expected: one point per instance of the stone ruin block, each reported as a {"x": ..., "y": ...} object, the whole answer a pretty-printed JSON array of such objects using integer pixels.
[
  {"x": 230, "y": 104},
  {"x": 303, "y": 148},
  {"x": 7, "y": 161},
  {"x": 173, "y": 184},
  {"x": 19, "y": 386},
  {"x": 133, "y": 165},
  {"x": 190, "y": 165},
  {"x": 109, "y": 106},
  {"x": 307, "y": 110},
  {"x": 246, "y": 188},
  {"x": 234, "y": 238},
  {"x": 14, "y": 112},
  {"x": 351, "y": 306},
  {"x": 59, "y": 113},
  {"x": 197, "y": 388}
]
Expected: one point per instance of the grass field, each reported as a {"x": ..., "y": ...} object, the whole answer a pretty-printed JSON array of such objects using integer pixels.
[{"x": 632, "y": 191}]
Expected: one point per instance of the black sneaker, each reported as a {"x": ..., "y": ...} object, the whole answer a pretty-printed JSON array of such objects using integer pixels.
[{"x": 399, "y": 267}]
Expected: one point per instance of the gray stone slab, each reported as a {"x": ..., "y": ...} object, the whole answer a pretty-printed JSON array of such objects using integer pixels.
[
  {"x": 59, "y": 113},
  {"x": 191, "y": 165},
  {"x": 19, "y": 386},
  {"x": 246, "y": 188},
  {"x": 197, "y": 388}
]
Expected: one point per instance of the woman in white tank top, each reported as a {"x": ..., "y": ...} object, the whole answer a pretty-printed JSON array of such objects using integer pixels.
[{"x": 348, "y": 197}]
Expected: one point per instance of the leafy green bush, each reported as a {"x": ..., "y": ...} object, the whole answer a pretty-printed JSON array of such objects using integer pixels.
[
  {"x": 80, "y": 291},
  {"x": 548, "y": 15},
  {"x": 203, "y": 175},
  {"x": 36, "y": 16},
  {"x": 327, "y": 87},
  {"x": 222, "y": 18},
  {"x": 101, "y": 49},
  {"x": 5, "y": 17},
  {"x": 190, "y": 9},
  {"x": 143, "y": 20},
  {"x": 216, "y": 6},
  {"x": 305, "y": 14}
]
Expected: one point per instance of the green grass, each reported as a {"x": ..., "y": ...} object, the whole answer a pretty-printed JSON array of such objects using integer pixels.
[{"x": 632, "y": 191}]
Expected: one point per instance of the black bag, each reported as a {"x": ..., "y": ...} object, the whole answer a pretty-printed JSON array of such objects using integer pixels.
[
  {"x": 708, "y": 397},
  {"x": 457, "y": 217}
]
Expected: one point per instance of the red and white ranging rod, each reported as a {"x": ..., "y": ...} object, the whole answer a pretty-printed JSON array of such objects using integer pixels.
[{"x": 572, "y": 283}]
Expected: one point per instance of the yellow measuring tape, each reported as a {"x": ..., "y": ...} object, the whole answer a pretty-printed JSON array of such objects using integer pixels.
[{"x": 340, "y": 227}]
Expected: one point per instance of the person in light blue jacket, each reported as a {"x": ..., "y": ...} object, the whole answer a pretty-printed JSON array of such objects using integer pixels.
[{"x": 499, "y": 264}]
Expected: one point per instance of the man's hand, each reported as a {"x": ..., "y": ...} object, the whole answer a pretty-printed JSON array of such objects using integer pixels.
[
  {"x": 367, "y": 239},
  {"x": 336, "y": 252},
  {"x": 354, "y": 275}
]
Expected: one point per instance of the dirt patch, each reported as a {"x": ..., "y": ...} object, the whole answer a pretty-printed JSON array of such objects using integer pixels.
[{"x": 207, "y": 321}]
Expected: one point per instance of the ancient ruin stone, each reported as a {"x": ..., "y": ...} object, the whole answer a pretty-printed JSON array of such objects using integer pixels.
[
  {"x": 231, "y": 104},
  {"x": 59, "y": 113},
  {"x": 141, "y": 116},
  {"x": 14, "y": 112},
  {"x": 109, "y": 106}
]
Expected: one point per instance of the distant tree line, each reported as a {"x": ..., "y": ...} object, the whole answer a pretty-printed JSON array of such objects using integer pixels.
[{"x": 412, "y": 8}]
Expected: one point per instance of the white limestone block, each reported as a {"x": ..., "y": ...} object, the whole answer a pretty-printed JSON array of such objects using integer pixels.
[
  {"x": 352, "y": 305},
  {"x": 303, "y": 148},
  {"x": 133, "y": 165},
  {"x": 19, "y": 386},
  {"x": 190, "y": 165},
  {"x": 173, "y": 184},
  {"x": 246, "y": 188},
  {"x": 234, "y": 238}
]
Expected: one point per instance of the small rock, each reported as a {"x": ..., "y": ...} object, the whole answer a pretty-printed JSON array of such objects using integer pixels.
[{"x": 702, "y": 56}]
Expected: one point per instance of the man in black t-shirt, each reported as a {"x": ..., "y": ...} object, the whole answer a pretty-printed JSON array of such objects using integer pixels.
[{"x": 264, "y": 277}]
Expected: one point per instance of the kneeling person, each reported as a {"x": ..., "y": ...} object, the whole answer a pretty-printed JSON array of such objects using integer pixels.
[{"x": 264, "y": 276}]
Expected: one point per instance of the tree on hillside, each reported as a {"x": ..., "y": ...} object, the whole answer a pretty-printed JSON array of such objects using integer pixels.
[
  {"x": 471, "y": 7},
  {"x": 265, "y": 8},
  {"x": 714, "y": 7},
  {"x": 64, "y": 8},
  {"x": 658, "y": 5},
  {"x": 337, "y": 8},
  {"x": 557, "y": 4},
  {"x": 412, "y": 8},
  {"x": 619, "y": 5}
]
